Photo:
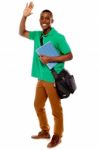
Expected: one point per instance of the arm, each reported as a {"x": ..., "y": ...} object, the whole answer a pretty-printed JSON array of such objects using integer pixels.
[
  {"x": 47, "y": 59},
  {"x": 27, "y": 12}
]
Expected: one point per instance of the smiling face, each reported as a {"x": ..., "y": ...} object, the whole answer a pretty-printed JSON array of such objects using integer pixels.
[{"x": 46, "y": 19}]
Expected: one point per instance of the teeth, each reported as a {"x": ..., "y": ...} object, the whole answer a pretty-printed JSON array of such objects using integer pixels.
[{"x": 44, "y": 24}]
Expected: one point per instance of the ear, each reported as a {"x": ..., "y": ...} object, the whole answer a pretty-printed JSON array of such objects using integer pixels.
[{"x": 52, "y": 20}]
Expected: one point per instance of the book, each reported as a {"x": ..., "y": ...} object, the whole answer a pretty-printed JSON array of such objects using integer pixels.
[{"x": 48, "y": 50}]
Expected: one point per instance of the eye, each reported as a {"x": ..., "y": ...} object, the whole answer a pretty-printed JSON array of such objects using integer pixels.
[{"x": 41, "y": 18}]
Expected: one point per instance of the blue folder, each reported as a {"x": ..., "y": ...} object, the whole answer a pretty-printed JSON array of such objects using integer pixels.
[{"x": 48, "y": 50}]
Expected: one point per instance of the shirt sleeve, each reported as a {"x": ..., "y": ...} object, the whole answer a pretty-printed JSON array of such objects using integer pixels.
[
  {"x": 63, "y": 45},
  {"x": 32, "y": 35}
]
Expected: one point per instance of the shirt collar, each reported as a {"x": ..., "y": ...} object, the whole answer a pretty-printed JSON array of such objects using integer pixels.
[{"x": 49, "y": 33}]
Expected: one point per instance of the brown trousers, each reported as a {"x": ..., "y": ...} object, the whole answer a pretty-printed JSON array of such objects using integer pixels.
[{"x": 46, "y": 90}]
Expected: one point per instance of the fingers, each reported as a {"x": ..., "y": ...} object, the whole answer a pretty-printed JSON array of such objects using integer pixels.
[
  {"x": 41, "y": 55},
  {"x": 28, "y": 9},
  {"x": 26, "y": 5},
  {"x": 31, "y": 5}
]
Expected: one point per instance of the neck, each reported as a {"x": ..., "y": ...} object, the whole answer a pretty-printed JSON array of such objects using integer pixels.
[{"x": 46, "y": 30}]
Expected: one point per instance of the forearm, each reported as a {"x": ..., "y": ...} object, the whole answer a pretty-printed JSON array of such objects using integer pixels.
[
  {"x": 62, "y": 58},
  {"x": 22, "y": 28}
]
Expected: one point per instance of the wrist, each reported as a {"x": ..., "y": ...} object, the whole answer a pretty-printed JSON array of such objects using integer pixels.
[
  {"x": 51, "y": 59},
  {"x": 24, "y": 16}
]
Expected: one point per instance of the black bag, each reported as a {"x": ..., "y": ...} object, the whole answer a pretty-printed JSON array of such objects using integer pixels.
[{"x": 64, "y": 82}]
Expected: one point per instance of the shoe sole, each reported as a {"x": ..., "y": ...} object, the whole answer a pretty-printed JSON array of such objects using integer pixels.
[
  {"x": 48, "y": 146},
  {"x": 40, "y": 137}
]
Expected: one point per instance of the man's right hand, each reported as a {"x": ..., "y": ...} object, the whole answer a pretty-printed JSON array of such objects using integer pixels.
[{"x": 27, "y": 11}]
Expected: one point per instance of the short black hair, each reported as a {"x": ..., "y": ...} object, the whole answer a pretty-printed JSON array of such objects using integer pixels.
[{"x": 47, "y": 10}]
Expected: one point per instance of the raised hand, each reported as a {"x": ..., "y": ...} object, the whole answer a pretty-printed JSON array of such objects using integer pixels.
[{"x": 27, "y": 11}]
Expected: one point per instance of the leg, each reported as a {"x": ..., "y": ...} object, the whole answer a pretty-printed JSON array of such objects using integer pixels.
[
  {"x": 39, "y": 103},
  {"x": 56, "y": 108}
]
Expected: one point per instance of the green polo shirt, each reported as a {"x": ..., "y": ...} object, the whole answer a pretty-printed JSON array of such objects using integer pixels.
[{"x": 40, "y": 70}]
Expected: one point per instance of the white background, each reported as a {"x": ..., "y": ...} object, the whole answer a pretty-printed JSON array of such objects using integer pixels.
[{"x": 79, "y": 21}]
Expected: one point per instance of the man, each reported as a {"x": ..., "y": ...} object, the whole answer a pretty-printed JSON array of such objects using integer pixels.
[{"x": 45, "y": 86}]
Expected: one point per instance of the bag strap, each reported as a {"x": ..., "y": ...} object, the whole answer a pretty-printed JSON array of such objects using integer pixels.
[
  {"x": 54, "y": 73},
  {"x": 52, "y": 70},
  {"x": 41, "y": 39}
]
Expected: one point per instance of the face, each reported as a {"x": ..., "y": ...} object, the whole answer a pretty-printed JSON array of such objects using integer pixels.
[{"x": 46, "y": 20}]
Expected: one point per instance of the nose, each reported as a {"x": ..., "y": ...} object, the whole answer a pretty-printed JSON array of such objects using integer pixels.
[{"x": 43, "y": 20}]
